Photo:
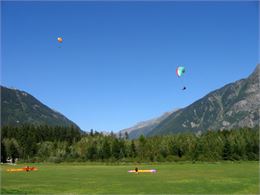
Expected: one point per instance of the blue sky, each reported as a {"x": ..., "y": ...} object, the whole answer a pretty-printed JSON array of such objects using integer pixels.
[{"x": 117, "y": 63}]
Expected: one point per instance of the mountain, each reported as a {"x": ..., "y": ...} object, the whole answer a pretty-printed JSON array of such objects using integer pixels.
[
  {"x": 144, "y": 127},
  {"x": 234, "y": 105},
  {"x": 19, "y": 107}
]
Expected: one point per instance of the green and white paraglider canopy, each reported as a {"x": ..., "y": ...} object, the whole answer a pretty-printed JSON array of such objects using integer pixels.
[{"x": 180, "y": 70}]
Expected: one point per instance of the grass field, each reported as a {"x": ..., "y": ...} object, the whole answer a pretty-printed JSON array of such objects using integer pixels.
[{"x": 186, "y": 178}]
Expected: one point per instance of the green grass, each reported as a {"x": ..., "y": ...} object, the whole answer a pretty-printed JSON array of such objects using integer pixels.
[{"x": 186, "y": 178}]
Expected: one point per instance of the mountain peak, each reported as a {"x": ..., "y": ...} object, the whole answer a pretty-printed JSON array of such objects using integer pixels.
[{"x": 19, "y": 107}]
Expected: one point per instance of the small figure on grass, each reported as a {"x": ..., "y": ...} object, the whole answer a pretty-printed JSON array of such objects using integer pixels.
[{"x": 136, "y": 170}]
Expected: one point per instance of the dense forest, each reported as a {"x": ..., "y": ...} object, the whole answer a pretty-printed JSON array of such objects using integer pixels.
[{"x": 29, "y": 143}]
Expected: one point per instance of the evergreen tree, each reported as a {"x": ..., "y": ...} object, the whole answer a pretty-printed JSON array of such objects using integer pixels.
[
  {"x": 141, "y": 148},
  {"x": 91, "y": 132},
  {"x": 226, "y": 151},
  {"x": 92, "y": 152},
  {"x": 133, "y": 149},
  {"x": 116, "y": 148},
  {"x": 106, "y": 149},
  {"x": 3, "y": 153},
  {"x": 14, "y": 153},
  {"x": 126, "y": 135}
]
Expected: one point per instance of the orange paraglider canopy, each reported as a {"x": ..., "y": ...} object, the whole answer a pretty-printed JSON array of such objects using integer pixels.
[
  {"x": 60, "y": 39},
  {"x": 22, "y": 169}
]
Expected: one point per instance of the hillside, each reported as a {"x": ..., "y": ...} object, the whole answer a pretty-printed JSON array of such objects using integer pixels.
[
  {"x": 144, "y": 127},
  {"x": 19, "y": 107},
  {"x": 234, "y": 105}
]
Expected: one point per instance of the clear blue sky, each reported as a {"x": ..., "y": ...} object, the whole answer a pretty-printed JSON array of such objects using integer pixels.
[{"x": 117, "y": 63}]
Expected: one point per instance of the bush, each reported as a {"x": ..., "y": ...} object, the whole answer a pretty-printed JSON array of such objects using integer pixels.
[
  {"x": 236, "y": 157},
  {"x": 55, "y": 159},
  {"x": 160, "y": 158},
  {"x": 171, "y": 158}
]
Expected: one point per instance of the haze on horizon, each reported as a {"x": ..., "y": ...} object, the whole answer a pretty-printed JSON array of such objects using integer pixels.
[{"x": 116, "y": 65}]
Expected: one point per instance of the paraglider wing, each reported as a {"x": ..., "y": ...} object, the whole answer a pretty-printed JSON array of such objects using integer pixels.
[
  {"x": 60, "y": 39},
  {"x": 180, "y": 71}
]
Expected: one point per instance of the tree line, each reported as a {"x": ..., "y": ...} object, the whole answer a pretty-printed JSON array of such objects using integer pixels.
[{"x": 31, "y": 143}]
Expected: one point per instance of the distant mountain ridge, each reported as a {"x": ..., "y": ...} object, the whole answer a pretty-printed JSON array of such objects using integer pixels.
[
  {"x": 19, "y": 107},
  {"x": 144, "y": 127},
  {"x": 234, "y": 105}
]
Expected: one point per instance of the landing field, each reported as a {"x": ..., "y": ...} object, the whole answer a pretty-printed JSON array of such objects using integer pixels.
[{"x": 175, "y": 178}]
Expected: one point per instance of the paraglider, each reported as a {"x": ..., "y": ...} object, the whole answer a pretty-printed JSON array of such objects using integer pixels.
[
  {"x": 27, "y": 169},
  {"x": 180, "y": 71},
  {"x": 143, "y": 171},
  {"x": 60, "y": 39}
]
